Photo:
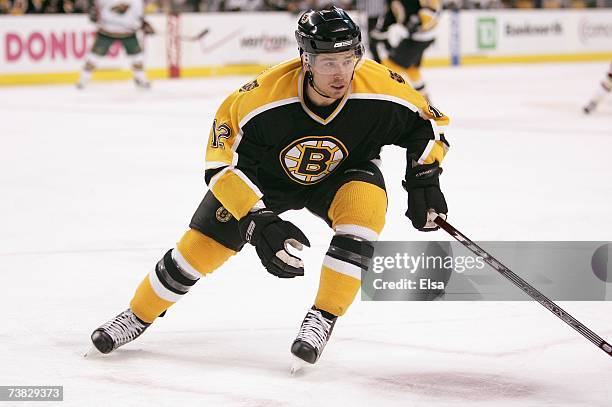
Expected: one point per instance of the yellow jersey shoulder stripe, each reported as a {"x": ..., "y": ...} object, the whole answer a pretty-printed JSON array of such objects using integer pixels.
[
  {"x": 252, "y": 113},
  {"x": 277, "y": 86},
  {"x": 375, "y": 79}
]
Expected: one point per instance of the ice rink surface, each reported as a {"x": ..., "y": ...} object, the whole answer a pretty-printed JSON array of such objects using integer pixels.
[{"x": 98, "y": 184}]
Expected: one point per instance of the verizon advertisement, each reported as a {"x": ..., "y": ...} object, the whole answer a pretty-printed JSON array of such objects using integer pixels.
[{"x": 238, "y": 38}]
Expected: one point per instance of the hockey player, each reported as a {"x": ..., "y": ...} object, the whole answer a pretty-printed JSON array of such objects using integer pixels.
[
  {"x": 404, "y": 33},
  {"x": 604, "y": 89},
  {"x": 304, "y": 134},
  {"x": 117, "y": 20}
]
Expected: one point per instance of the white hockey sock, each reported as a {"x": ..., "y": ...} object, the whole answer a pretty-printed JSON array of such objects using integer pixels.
[
  {"x": 600, "y": 94},
  {"x": 138, "y": 68},
  {"x": 85, "y": 77},
  {"x": 90, "y": 64},
  {"x": 139, "y": 75}
]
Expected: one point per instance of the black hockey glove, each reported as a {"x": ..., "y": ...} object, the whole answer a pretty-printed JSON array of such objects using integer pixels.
[
  {"x": 93, "y": 14},
  {"x": 424, "y": 194},
  {"x": 147, "y": 28},
  {"x": 270, "y": 235}
]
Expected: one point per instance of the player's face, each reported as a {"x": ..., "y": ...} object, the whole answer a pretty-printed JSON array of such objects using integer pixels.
[{"x": 333, "y": 72}]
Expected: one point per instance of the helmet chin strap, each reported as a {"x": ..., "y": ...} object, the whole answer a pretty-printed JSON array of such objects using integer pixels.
[{"x": 310, "y": 79}]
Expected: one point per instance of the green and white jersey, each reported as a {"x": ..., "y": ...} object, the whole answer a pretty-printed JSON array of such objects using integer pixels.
[{"x": 119, "y": 18}]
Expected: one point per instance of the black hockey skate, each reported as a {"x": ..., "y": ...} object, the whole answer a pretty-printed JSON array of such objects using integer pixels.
[
  {"x": 120, "y": 330},
  {"x": 589, "y": 108},
  {"x": 313, "y": 336},
  {"x": 142, "y": 84}
]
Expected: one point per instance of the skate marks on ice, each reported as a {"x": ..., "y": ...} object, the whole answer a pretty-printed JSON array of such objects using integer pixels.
[
  {"x": 514, "y": 352},
  {"x": 481, "y": 388},
  {"x": 199, "y": 393},
  {"x": 201, "y": 351},
  {"x": 238, "y": 359},
  {"x": 467, "y": 386}
]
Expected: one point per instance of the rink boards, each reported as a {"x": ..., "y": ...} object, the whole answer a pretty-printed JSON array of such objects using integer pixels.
[{"x": 51, "y": 49}]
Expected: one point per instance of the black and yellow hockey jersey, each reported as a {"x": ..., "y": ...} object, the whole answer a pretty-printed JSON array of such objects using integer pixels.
[
  {"x": 420, "y": 16},
  {"x": 266, "y": 144}
]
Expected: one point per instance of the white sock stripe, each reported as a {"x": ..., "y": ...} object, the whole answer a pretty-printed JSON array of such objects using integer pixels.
[
  {"x": 161, "y": 291},
  {"x": 184, "y": 265},
  {"x": 342, "y": 267},
  {"x": 360, "y": 231},
  {"x": 92, "y": 58}
]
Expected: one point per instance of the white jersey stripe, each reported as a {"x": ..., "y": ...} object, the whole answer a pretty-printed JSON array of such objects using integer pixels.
[
  {"x": 247, "y": 181},
  {"x": 211, "y": 165},
  {"x": 427, "y": 150},
  {"x": 262, "y": 109},
  {"x": 240, "y": 174},
  {"x": 214, "y": 179},
  {"x": 389, "y": 98}
]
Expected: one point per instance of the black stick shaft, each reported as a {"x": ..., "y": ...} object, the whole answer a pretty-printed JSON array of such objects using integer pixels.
[{"x": 525, "y": 286}]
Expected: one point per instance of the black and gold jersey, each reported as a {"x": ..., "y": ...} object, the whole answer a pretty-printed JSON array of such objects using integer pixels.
[
  {"x": 420, "y": 16},
  {"x": 266, "y": 144}
]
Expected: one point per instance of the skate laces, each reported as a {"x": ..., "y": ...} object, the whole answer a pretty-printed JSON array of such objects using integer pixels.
[
  {"x": 124, "y": 328},
  {"x": 315, "y": 329}
]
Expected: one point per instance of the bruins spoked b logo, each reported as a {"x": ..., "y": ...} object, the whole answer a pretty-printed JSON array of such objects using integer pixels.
[
  {"x": 223, "y": 215},
  {"x": 309, "y": 160}
]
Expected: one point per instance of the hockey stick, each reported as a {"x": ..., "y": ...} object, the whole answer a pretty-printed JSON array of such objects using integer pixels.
[
  {"x": 193, "y": 38},
  {"x": 186, "y": 38},
  {"x": 525, "y": 286}
]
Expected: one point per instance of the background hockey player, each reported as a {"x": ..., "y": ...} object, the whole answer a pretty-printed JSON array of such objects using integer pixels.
[
  {"x": 304, "y": 134},
  {"x": 117, "y": 20},
  {"x": 604, "y": 88},
  {"x": 404, "y": 33}
]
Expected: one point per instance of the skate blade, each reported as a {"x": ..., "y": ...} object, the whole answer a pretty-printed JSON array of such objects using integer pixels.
[
  {"x": 92, "y": 351},
  {"x": 296, "y": 365}
]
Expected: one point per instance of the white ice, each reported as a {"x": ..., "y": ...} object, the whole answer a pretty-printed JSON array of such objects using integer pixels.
[{"x": 97, "y": 184}]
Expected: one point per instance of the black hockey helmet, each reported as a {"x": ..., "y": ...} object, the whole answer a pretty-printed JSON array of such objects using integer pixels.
[{"x": 327, "y": 31}]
